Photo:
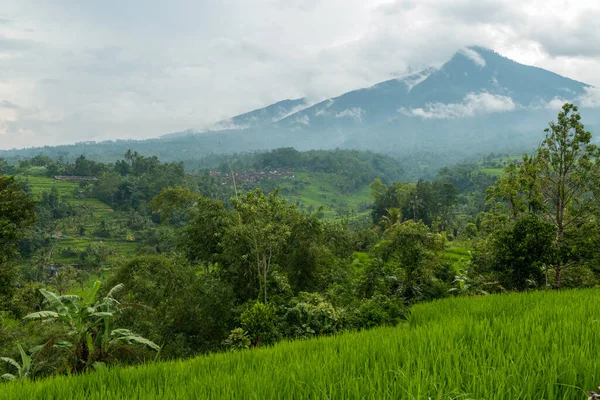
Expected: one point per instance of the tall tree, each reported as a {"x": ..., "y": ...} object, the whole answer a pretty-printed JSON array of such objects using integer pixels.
[
  {"x": 568, "y": 175},
  {"x": 264, "y": 225},
  {"x": 17, "y": 213}
]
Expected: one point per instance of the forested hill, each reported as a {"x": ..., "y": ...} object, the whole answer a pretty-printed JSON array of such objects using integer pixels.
[{"x": 477, "y": 102}]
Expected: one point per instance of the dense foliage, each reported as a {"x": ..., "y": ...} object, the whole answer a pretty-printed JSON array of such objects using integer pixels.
[{"x": 219, "y": 264}]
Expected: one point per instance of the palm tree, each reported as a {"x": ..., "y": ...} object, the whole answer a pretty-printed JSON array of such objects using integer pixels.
[
  {"x": 391, "y": 220},
  {"x": 128, "y": 155},
  {"x": 91, "y": 339}
]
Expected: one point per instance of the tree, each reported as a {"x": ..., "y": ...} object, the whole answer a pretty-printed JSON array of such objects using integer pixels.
[
  {"x": 82, "y": 167},
  {"x": 521, "y": 253},
  {"x": 264, "y": 225},
  {"x": 199, "y": 240},
  {"x": 568, "y": 177},
  {"x": 392, "y": 219},
  {"x": 194, "y": 310},
  {"x": 65, "y": 278},
  {"x": 17, "y": 213},
  {"x": 91, "y": 338},
  {"x": 171, "y": 199}
]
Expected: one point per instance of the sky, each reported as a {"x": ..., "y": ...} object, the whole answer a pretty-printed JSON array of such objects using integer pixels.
[{"x": 80, "y": 70}]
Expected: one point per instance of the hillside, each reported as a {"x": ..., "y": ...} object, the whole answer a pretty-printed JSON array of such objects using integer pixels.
[
  {"x": 79, "y": 231},
  {"x": 478, "y": 101},
  {"x": 529, "y": 346}
]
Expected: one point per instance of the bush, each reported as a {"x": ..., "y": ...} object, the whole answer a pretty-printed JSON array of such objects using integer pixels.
[
  {"x": 310, "y": 315},
  {"x": 259, "y": 321},
  {"x": 237, "y": 340},
  {"x": 377, "y": 311}
]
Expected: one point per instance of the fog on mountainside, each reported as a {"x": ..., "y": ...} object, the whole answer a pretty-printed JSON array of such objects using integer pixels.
[{"x": 479, "y": 101}]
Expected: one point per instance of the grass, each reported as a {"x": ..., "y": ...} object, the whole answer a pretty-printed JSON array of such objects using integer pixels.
[
  {"x": 457, "y": 253},
  {"x": 496, "y": 172},
  {"x": 542, "y": 345},
  {"x": 39, "y": 183},
  {"x": 320, "y": 190}
]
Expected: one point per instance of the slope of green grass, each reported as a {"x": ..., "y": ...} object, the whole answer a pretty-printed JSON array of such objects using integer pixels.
[
  {"x": 321, "y": 190},
  {"x": 98, "y": 211},
  {"x": 542, "y": 345},
  {"x": 496, "y": 172}
]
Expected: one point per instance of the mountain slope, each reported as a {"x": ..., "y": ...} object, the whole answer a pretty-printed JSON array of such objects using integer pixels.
[
  {"x": 474, "y": 75},
  {"x": 478, "y": 101}
]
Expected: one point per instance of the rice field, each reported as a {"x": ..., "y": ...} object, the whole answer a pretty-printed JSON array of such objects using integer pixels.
[
  {"x": 99, "y": 211},
  {"x": 542, "y": 345}
]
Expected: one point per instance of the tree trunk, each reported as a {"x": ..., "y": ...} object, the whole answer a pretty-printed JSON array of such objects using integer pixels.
[{"x": 558, "y": 276}]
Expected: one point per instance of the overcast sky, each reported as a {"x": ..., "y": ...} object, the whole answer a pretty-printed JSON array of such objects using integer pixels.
[{"x": 73, "y": 70}]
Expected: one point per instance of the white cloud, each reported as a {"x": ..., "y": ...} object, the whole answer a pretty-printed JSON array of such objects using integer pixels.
[
  {"x": 474, "y": 56},
  {"x": 142, "y": 68},
  {"x": 323, "y": 110},
  {"x": 473, "y": 104},
  {"x": 554, "y": 104},
  {"x": 303, "y": 120},
  {"x": 414, "y": 79},
  {"x": 590, "y": 99},
  {"x": 355, "y": 113},
  {"x": 227, "y": 124}
]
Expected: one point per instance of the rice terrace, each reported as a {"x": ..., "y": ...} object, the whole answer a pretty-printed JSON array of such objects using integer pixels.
[{"x": 518, "y": 346}]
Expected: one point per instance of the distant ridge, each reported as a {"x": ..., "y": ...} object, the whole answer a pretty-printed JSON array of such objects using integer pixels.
[{"x": 478, "y": 101}]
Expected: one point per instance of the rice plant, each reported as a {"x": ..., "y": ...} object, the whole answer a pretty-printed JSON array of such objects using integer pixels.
[{"x": 542, "y": 345}]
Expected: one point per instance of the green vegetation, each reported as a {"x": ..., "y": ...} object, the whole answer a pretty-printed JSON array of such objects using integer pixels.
[
  {"x": 519, "y": 346},
  {"x": 227, "y": 261}
]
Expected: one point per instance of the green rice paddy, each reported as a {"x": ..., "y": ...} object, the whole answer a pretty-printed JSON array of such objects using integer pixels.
[
  {"x": 541, "y": 345},
  {"x": 98, "y": 211}
]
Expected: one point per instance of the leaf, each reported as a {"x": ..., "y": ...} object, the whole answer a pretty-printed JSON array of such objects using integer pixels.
[
  {"x": 102, "y": 314},
  {"x": 91, "y": 296},
  {"x": 90, "y": 346},
  {"x": 8, "y": 377},
  {"x": 41, "y": 315},
  {"x": 99, "y": 365},
  {"x": 140, "y": 340},
  {"x": 11, "y": 362},
  {"x": 115, "y": 290},
  {"x": 121, "y": 332},
  {"x": 25, "y": 359},
  {"x": 54, "y": 301}
]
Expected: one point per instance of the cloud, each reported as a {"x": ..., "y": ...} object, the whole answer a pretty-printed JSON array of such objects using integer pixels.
[
  {"x": 473, "y": 56},
  {"x": 143, "y": 68},
  {"x": 355, "y": 113},
  {"x": 8, "y": 104},
  {"x": 324, "y": 110},
  {"x": 227, "y": 124},
  {"x": 302, "y": 120},
  {"x": 472, "y": 105},
  {"x": 591, "y": 98}
]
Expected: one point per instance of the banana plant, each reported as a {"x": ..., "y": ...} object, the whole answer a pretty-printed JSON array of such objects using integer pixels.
[
  {"x": 91, "y": 338},
  {"x": 24, "y": 369}
]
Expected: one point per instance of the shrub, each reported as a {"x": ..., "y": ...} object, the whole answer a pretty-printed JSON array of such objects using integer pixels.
[
  {"x": 237, "y": 340},
  {"x": 377, "y": 311},
  {"x": 310, "y": 315},
  {"x": 259, "y": 321}
]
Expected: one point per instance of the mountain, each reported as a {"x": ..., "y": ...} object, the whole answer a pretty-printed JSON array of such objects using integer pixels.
[
  {"x": 474, "y": 78},
  {"x": 478, "y": 101},
  {"x": 254, "y": 119}
]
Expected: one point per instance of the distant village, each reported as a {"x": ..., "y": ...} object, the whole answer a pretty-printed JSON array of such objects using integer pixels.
[{"x": 253, "y": 176}]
